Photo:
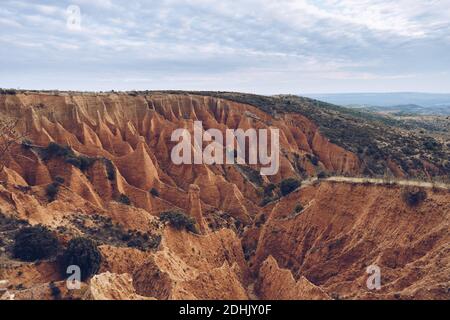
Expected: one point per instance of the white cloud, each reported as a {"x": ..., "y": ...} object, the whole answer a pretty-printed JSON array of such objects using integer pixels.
[
  {"x": 105, "y": 4},
  {"x": 9, "y": 22},
  {"x": 288, "y": 41},
  {"x": 49, "y": 10}
]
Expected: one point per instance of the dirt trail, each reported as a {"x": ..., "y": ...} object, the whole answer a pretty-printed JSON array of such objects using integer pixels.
[{"x": 411, "y": 183}]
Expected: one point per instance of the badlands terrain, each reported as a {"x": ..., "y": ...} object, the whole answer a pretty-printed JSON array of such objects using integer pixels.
[{"x": 362, "y": 191}]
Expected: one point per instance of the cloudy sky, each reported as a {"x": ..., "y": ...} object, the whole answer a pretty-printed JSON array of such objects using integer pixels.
[{"x": 265, "y": 46}]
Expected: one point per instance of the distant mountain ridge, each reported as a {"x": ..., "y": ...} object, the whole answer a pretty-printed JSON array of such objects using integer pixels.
[
  {"x": 407, "y": 109},
  {"x": 406, "y": 102}
]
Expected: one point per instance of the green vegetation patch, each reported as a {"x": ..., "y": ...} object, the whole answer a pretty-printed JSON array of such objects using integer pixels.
[{"x": 179, "y": 221}]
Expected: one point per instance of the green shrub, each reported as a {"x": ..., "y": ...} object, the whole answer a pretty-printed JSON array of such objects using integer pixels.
[
  {"x": 322, "y": 175},
  {"x": 299, "y": 208},
  {"x": 266, "y": 200},
  {"x": 126, "y": 237},
  {"x": 34, "y": 243},
  {"x": 83, "y": 253},
  {"x": 154, "y": 192},
  {"x": 76, "y": 162},
  {"x": 238, "y": 225},
  {"x": 135, "y": 243},
  {"x": 253, "y": 175},
  {"x": 8, "y": 92},
  {"x": 82, "y": 162},
  {"x": 124, "y": 200},
  {"x": 269, "y": 189},
  {"x": 314, "y": 160},
  {"x": 260, "y": 220},
  {"x": 432, "y": 145},
  {"x": 104, "y": 231},
  {"x": 110, "y": 171},
  {"x": 27, "y": 144},
  {"x": 179, "y": 221},
  {"x": 55, "y": 150},
  {"x": 414, "y": 196},
  {"x": 86, "y": 162},
  {"x": 55, "y": 291},
  {"x": 289, "y": 185},
  {"x": 52, "y": 191},
  {"x": 59, "y": 180}
]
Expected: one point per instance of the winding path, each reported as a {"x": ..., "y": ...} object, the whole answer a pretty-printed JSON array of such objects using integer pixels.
[{"x": 411, "y": 183}]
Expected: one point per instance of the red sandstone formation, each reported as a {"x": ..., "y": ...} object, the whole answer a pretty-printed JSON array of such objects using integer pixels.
[
  {"x": 320, "y": 252},
  {"x": 196, "y": 208},
  {"x": 337, "y": 236}
]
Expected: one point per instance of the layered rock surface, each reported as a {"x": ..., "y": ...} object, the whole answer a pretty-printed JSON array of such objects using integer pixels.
[
  {"x": 338, "y": 236},
  {"x": 134, "y": 133},
  {"x": 319, "y": 253}
]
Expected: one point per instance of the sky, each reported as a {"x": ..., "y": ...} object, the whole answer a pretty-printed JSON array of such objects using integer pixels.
[{"x": 265, "y": 46}]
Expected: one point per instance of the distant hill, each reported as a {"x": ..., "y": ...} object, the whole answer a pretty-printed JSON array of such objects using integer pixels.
[
  {"x": 407, "y": 109},
  {"x": 402, "y": 102}
]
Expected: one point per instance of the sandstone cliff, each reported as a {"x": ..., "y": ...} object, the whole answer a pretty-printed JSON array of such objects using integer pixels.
[{"x": 112, "y": 161}]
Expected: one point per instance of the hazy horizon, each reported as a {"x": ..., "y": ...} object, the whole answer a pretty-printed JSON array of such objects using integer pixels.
[{"x": 427, "y": 100}]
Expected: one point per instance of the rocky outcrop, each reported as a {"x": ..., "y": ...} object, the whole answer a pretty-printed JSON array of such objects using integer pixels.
[
  {"x": 109, "y": 286},
  {"x": 279, "y": 284},
  {"x": 196, "y": 208},
  {"x": 121, "y": 260},
  {"x": 46, "y": 291},
  {"x": 337, "y": 236},
  {"x": 138, "y": 168},
  {"x": 195, "y": 267},
  {"x": 11, "y": 177}
]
